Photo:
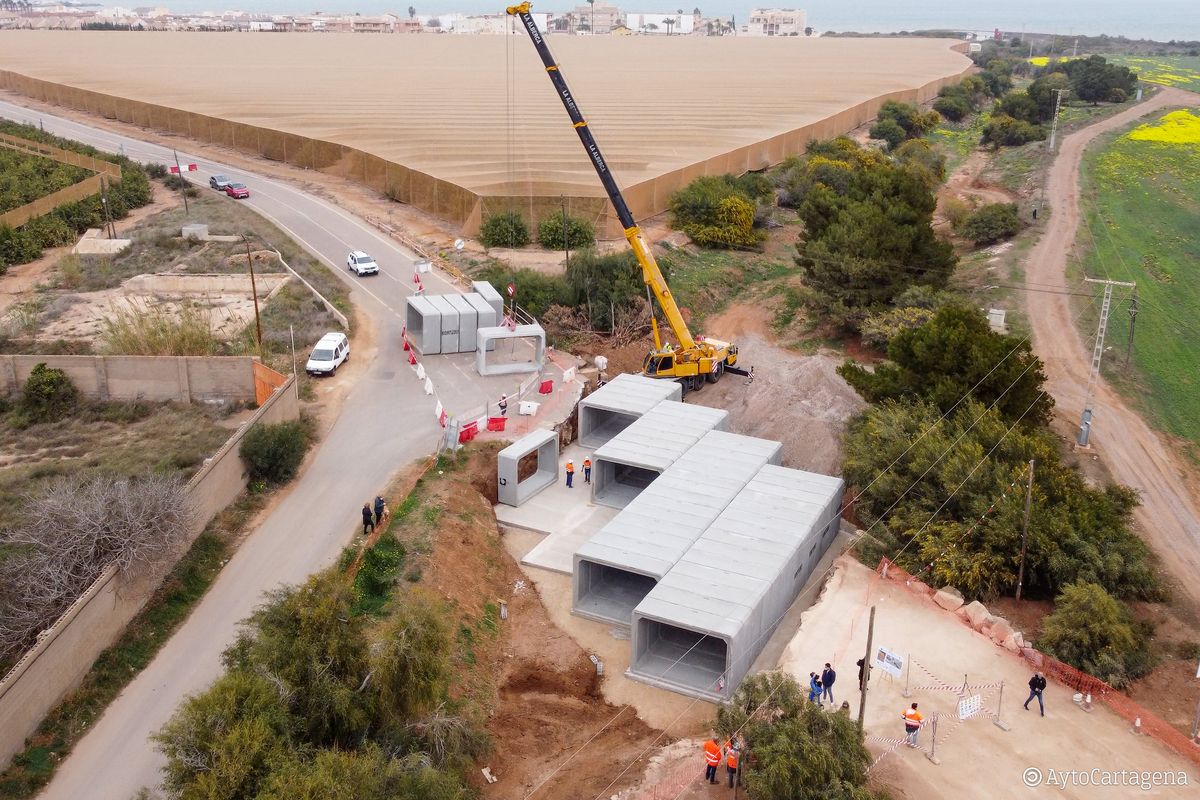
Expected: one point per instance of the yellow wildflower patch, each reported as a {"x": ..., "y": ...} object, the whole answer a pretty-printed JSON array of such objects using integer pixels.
[{"x": 1178, "y": 127}]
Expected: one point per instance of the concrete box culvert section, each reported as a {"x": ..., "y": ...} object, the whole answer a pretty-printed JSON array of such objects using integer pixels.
[
  {"x": 700, "y": 628},
  {"x": 448, "y": 321},
  {"x": 491, "y": 297},
  {"x": 626, "y": 464},
  {"x": 468, "y": 322},
  {"x": 485, "y": 314},
  {"x": 495, "y": 363},
  {"x": 618, "y": 404},
  {"x": 423, "y": 323},
  {"x": 513, "y": 491},
  {"x": 622, "y": 562}
]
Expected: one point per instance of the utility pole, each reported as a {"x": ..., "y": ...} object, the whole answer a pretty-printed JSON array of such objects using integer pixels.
[
  {"x": 112, "y": 231},
  {"x": 1025, "y": 530},
  {"x": 1085, "y": 422},
  {"x": 254, "y": 291},
  {"x": 1058, "y": 93},
  {"x": 1075, "y": 50},
  {"x": 1133, "y": 309},
  {"x": 866, "y": 671},
  {"x": 182, "y": 186}
]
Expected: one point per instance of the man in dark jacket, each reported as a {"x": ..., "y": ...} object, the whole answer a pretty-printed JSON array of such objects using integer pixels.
[
  {"x": 828, "y": 676},
  {"x": 1037, "y": 685},
  {"x": 368, "y": 518},
  {"x": 379, "y": 507}
]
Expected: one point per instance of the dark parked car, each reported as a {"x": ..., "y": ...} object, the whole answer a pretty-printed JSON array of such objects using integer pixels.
[{"x": 219, "y": 182}]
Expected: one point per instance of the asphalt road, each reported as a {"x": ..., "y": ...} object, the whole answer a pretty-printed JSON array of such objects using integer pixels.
[{"x": 386, "y": 421}]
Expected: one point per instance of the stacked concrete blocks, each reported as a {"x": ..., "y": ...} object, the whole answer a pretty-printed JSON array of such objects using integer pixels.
[
  {"x": 702, "y": 625},
  {"x": 624, "y": 560},
  {"x": 449, "y": 323}
]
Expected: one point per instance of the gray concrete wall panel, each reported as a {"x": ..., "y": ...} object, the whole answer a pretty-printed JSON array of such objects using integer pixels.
[
  {"x": 491, "y": 297},
  {"x": 468, "y": 322},
  {"x": 449, "y": 322},
  {"x": 423, "y": 322}
]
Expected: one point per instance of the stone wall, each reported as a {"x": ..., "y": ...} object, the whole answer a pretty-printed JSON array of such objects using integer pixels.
[{"x": 185, "y": 379}]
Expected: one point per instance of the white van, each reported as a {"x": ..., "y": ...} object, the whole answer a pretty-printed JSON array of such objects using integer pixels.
[{"x": 328, "y": 354}]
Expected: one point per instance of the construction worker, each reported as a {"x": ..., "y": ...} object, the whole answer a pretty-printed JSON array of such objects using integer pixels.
[
  {"x": 587, "y": 470},
  {"x": 912, "y": 724},
  {"x": 503, "y": 405},
  {"x": 712, "y": 759},
  {"x": 570, "y": 474},
  {"x": 733, "y": 751}
]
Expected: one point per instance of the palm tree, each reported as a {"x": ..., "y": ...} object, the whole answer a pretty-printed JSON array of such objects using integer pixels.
[
  {"x": 668, "y": 22},
  {"x": 412, "y": 12}
]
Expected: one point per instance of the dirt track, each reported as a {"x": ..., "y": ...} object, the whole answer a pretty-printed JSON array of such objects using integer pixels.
[{"x": 1135, "y": 454}]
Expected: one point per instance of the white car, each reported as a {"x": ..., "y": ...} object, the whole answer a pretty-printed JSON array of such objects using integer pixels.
[
  {"x": 361, "y": 264},
  {"x": 330, "y": 352}
]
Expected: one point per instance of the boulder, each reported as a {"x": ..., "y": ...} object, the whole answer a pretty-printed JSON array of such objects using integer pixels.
[
  {"x": 977, "y": 614},
  {"x": 1000, "y": 630},
  {"x": 948, "y": 598},
  {"x": 1011, "y": 644}
]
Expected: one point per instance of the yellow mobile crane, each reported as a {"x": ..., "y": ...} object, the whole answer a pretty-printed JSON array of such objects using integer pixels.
[{"x": 695, "y": 359}]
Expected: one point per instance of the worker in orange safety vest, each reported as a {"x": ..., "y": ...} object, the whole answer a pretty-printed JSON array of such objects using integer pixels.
[
  {"x": 912, "y": 724},
  {"x": 712, "y": 760},
  {"x": 733, "y": 751},
  {"x": 587, "y": 470},
  {"x": 570, "y": 474}
]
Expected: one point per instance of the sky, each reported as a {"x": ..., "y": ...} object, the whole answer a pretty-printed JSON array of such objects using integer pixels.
[{"x": 1158, "y": 19}]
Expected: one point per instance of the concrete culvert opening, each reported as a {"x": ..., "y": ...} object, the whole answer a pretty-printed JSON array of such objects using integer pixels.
[
  {"x": 598, "y": 425},
  {"x": 615, "y": 484},
  {"x": 423, "y": 326},
  {"x": 608, "y": 593},
  {"x": 679, "y": 657}
]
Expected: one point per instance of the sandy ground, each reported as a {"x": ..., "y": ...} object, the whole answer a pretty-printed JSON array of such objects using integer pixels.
[
  {"x": 499, "y": 129},
  {"x": 798, "y": 400},
  {"x": 1169, "y": 517},
  {"x": 978, "y": 759}
]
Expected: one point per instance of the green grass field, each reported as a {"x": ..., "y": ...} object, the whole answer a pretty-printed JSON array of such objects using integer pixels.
[
  {"x": 1142, "y": 204},
  {"x": 1180, "y": 71}
]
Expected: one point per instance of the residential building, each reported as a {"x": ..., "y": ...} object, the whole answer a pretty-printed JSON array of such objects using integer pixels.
[
  {"x": 661, "y": 24},
  {"x": 776, "y": 22},
  {"x": 601, "y": 15}
]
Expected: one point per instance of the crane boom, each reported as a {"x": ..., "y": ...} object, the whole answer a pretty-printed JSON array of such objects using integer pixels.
[{"x": 651, "y": 273}]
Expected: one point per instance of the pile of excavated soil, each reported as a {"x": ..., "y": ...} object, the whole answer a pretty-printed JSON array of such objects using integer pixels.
[{"x": 541, "y": 689}]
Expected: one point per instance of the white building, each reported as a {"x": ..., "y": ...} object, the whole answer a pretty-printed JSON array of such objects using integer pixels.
[
  {"x": 776, "y": 22},
  {"x": 662, "y": 24}
]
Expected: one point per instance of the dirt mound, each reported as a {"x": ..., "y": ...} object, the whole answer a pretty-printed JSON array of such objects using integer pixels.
[{"x": 798, "y": 400}]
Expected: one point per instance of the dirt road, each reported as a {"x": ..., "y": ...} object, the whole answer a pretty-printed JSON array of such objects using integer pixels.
[{"x": 1169, "y": 517}]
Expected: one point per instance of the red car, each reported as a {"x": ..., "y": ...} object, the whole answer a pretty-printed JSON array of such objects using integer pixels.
[{"x": 237, "y": 190}]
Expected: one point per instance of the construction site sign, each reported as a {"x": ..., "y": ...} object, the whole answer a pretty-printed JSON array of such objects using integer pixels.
[
  {"x": 970, "y": 706},
  {"x": 889, "y": 662}
]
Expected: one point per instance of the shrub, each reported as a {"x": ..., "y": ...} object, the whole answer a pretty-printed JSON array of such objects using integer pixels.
[
  {"x": 536, "y": 291},
  {"x": 604, "y": 286},
  {"x": 16, "y": 247},
  {"x": 954, "y": 108},
  {"x": 992, "y": 223},
  {"x": 956, "y": 210},
  {"x": 506, "y": 229},
  {"x": 142, "y": 330},
  {"x": 274, "y": 452},
  {"x": 49, "y": 394},
  {"x": 734, "y": 226},
  {"x": 1092, "y": 630},
  {"x": 699, "y": 202},
  {"x": 897, "y": 122},
  {"x": 176, "y": 182},
  {"x": 579, "y": 232},
  {"x": 156, "y": 171},
  {"x": 889, "y": 131},
  {"x": 1004, "y": 131}
]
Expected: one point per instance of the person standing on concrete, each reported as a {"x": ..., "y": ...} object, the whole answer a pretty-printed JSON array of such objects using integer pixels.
[
  {"x": 1037, "y": 685},
  {"x": 570, "y": 474},
  {"x": 712, "y": 759},
  {"x": 828, "y": 676},
  {"x": 587, "y": 470},
  {"x": 503, "y": 405},
  {"x": 912, "y": 724},
  {"x": 368, "y": 518},
  {"x": 861, "y": 666},
  {"x": 380, "y": 506}
]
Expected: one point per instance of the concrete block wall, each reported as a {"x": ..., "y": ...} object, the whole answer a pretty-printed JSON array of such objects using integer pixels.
[
  {"x": 184, "y": 379},
  {"x": 54, "y": 667}
]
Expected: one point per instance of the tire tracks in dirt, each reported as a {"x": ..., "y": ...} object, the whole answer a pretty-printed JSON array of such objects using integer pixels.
[{"x": 1136, "y": 455}]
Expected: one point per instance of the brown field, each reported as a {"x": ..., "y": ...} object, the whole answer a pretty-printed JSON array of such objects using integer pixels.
[{"x": 456, "y": 124}]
